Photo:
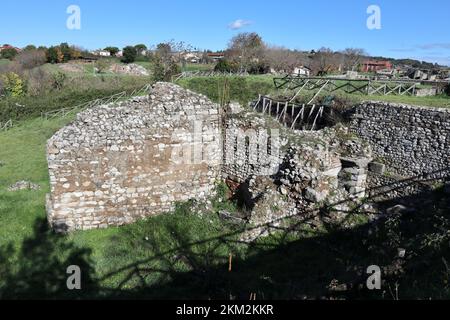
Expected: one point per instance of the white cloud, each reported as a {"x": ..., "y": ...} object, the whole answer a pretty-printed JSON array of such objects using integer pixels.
[{"x": 239, "y": 24}]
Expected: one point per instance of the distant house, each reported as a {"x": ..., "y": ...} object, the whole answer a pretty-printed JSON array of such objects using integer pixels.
[
  {"x": 376, "y": 65},
  {"x": 216, "y": 56},
  {"x": 101, "y": 53},
  {"x": 119, "y": 54},
  {"x": 7, "y": 46},
  {"x": 302, "y": 71}
]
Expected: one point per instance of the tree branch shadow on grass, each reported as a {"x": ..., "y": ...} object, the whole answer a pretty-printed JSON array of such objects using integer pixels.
[
  {"x": 186, "y": 258},
  {"x": 331, "y": 265},
  {"x": 38, "y": 269}
]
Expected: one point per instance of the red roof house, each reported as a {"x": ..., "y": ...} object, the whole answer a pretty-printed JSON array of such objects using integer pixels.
[
  {"x": 375, "y": 65},
  {"x": 7, "y": 46}
]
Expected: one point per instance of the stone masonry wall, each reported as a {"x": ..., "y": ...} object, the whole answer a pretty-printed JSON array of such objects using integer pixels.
[
  {"x": 118, "y": 163},
  {"x": 250, "y": 148},
  {"x": 382, "y": 187},
  {"x": 409, "y": 140}
]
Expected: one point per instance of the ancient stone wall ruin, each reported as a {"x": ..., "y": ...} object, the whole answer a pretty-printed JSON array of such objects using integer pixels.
[
  {"x": 409, "y": 140},
  {"x": 118, "y": 163}
]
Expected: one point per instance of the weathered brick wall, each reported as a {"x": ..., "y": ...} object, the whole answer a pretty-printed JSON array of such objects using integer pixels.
[
  {"x": 409, "y": 140},
  {"x": 118, "y": 163}
]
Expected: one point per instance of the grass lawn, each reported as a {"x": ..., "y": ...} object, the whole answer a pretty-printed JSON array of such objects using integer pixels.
[
  {"x": 241, "y": 89},
  {"x": 199, "y": 67},
  {"x": 146, "y": 64},
  {"x": 4, "y": 62},
  {"x": 440, "y": 101}
]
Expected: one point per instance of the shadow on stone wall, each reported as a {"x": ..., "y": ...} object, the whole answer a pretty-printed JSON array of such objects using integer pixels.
[{"x": 411, "y": 246}]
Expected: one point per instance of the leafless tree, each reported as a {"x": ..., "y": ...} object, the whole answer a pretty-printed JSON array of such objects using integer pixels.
[
  {"x": 39, "y": 81},
  {"x": 285, "y": 60},
  {"x": 246, "y": 48},
  {"x": 30, "y": 59},
  {"x": 352, "y": 58},
  {"x": 324, "y": 61}
]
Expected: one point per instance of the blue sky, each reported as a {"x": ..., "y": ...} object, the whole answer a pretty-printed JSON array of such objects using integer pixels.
[{"x": 411, "y": 29}]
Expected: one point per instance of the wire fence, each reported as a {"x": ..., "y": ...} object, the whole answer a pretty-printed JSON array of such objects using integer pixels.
[{"x": 6, "y": 125}]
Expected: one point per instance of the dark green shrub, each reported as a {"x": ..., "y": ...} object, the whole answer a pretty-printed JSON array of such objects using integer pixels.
[
  {"x": 112, "y": 50},
  {"x": 223, "y": 66},
  {"x": 9, "y": 53},
  {"x": 259, "y": 68},
  {"x": 129, "y": 54}
]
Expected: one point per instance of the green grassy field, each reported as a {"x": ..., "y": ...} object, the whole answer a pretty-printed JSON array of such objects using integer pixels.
[
  {"x": 198, "y": 67},
  {"x": 241, "y": 89},
  {"x": 4, "y": 61}
]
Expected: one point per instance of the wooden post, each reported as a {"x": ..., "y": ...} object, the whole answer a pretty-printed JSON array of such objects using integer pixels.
[
  {"x": 296, "y": 118},
  {"x": 257, "y": 103}
]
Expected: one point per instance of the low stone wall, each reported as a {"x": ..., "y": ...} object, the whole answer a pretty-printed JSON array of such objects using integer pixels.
[
  {"x": 382, "y": 187},
  {"x": 427, "y": 92},
  {"x": 388, "y": 186},
  {"x": 409, "y": 140},
  {"x": 118, "y": 163}
]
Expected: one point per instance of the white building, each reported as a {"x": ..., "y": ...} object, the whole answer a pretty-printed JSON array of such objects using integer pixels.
[
  {"x": 302, "y": 71},
  {"x": 191, "y": 57},
  {"x": 101, "y": 53}
]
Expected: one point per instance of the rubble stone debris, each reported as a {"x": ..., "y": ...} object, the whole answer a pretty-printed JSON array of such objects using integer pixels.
[{"x": 23, "y": 185}]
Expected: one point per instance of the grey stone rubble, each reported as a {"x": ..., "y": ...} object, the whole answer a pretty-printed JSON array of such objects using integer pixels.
[
  {"x": 129, "y": 69},
  {"x": 23, "y": 185},
  {"x": 305, "y": 172}
]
